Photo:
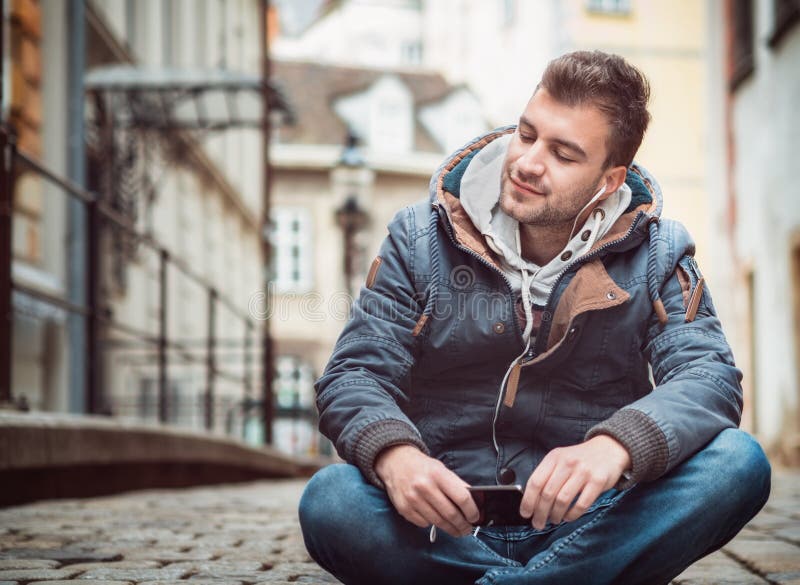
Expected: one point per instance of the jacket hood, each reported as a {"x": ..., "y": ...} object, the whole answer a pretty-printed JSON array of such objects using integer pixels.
[
  {"x": 638, "y": 222},
  {"x": 645, "y": 190}
]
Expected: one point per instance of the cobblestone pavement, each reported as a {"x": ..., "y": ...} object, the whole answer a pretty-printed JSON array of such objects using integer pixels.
[{"x": 248, "y": 534}]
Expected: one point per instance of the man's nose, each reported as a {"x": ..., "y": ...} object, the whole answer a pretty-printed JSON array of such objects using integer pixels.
[{"x": 531, "y": 162}]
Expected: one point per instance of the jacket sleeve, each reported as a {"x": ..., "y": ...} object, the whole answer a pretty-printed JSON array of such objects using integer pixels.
[
  {"x": 367, "y": 378},
  {"x": 697, "y": 392}
]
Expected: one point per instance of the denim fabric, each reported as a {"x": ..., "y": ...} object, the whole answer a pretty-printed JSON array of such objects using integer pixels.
[{"x": 647, "y": 534}]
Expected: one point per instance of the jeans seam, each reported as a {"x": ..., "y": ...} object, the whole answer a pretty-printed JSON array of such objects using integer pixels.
[
  {"x": 496, "y": 555},
  {"x": 568, "y": 540}
]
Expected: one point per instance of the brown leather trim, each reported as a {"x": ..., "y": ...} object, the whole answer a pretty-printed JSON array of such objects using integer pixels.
[
  {"x": 592, "y": 289},
  {"x": 465, "y": 231},
  {"x": 694, "y": 302},
  {"x": 686, "y": 285},
  {"x": 511, "y": 387},
  {"x": 373, "y": 271},
  {"x": 420, "y": 325}
]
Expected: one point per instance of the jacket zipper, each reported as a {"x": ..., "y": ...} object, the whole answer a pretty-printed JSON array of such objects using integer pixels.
[
  {"x": 448, "y": 229},
  {"x": 521, "y": 358},
  {"x": 578, "y": 261}
]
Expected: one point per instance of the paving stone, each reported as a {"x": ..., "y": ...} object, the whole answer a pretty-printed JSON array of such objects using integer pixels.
[
  {"x": 116, "y": 565},
  {"x": 64, "y": 556},
  {"x": 8, "y": 583},
  {"x": 6, "y": 564},
  {"x": 194, "y": 582},
  {"x": 39, "y": 544},
  {"x": 167, "y": 556},
  {"x": 766, "y": 556},
  {"x": 294, "y": 572},
  {"x": 791, "y": 533},
  {"x": 161, "y": 574},
  {"x": 769, "y": 520},
  {"x": 37, "y": 574},
  {"x": 784, "y": 577},
  {"x": 220, "y": 566},
  {"x": 717, "y": 569},
  {"x": 77, "y": 582}
]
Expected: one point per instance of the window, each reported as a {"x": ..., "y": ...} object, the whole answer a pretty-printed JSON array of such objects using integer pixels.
[
  {"x": 742, "y": 63},
  {"x": 292, "y": 252},
  {"x": 293, "y": 384},
  {"x": 785, "y": 14},
  {"x": 621, "y": 7},
  {"x": 412, "y": 53},
  {"x": 147, "y": 404},
  {"x": 509, "y": 11}
]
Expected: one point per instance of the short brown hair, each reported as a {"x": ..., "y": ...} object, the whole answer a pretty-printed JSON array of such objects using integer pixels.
[{"x": 613, "y": 85}]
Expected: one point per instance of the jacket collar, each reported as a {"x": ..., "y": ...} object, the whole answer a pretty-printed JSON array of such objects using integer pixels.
[{"x": 629, "y": 229}]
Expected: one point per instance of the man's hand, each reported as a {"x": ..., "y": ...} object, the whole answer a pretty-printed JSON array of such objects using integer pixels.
[
  {"x": 587, "y": 469},
  {"x": 424, "y": 491}
]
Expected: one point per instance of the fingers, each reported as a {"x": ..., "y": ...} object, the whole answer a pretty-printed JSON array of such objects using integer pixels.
[
  {"x": 588, "y": 497},
  {"x": 548, "y": 495},
  {"x": 454, "y": 488},
  {"x": 423, "y": 502},
  {"x": 450, "y": 514},
  {"x": 535, "y": 485},
  {"x": 566, "y": 495}
]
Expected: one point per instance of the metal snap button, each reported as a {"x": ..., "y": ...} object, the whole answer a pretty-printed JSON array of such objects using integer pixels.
[
  {"x": 499, "y": 327},
  {"x": 566, "y": 255},
  {"x": 611, "y": 295},
  {"x": 572, "y": 332},
  {"x": 585, "y": 235},
  {"x": 602, "y": 213},
  {"x": 507, "y": 476}
]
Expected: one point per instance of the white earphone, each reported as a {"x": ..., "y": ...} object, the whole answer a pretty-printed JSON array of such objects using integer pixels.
[{"x": 592, "y": 200}]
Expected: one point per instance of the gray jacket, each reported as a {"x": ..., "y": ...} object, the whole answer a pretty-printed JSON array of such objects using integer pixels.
[{"x": 628, "y": 345}]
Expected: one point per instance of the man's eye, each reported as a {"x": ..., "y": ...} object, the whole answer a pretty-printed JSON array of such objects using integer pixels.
[
  {"x": 527, "y": 138},
  {"x": 563, "y": 158}
]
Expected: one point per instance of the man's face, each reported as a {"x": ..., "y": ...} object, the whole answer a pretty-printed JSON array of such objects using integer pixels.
[{"x": 555, "y": 162}]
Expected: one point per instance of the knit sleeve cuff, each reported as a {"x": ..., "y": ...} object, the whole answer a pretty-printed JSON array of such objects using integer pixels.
[
  {"x": 378, "y": 436},
  {"x": 644, "y": 440}
]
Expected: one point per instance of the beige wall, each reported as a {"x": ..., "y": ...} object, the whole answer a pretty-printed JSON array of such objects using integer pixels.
[
  {"x": 308, "y": 324},
  {"x": 666, "y": 41}
]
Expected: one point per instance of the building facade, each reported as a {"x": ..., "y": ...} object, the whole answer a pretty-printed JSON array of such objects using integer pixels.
[
  {"x": 332, "y": 201},
  {"x": 187, "y": 175},
  {"x": 755, "y": 64}
]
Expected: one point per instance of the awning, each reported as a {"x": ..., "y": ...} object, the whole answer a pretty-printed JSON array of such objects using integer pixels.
[{"x": 175, "y": 99}]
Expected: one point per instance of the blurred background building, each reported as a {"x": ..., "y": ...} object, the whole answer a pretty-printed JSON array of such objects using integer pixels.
[
  {"x": 367, "y": 97},
  {"x": 138, "y": 183}
]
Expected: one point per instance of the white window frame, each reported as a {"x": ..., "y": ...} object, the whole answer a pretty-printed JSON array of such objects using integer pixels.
[
  {"x": 292, "y": 249},
  {"x": 294, "y": 383}
]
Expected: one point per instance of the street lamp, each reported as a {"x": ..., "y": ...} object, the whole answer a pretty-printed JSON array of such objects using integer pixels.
[{"x": 350, "y": 216}]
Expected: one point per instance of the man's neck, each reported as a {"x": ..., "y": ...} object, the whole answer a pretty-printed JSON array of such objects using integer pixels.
[{"x": 540, "y": 244}]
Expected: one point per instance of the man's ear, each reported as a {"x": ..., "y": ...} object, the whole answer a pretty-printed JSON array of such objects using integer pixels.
[{"x": 614, "y": 179}]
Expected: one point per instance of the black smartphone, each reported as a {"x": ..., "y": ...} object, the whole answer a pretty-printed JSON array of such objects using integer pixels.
[{"x": 498, "y": 505}]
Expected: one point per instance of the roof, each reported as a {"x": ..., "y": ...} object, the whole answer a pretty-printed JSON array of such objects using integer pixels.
[
  {"x": 312, "y": 89},
  {"x": 185, "y": 98}
]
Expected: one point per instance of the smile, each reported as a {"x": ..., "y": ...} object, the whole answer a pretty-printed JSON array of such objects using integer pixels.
[{"x": 526, "y": 188}]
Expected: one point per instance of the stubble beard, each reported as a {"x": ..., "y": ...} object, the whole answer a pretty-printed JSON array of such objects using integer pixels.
[{"x": 558, "y": 209}]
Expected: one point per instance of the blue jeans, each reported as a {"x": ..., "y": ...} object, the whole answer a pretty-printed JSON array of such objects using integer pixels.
[{"x": 647, "y": 534}]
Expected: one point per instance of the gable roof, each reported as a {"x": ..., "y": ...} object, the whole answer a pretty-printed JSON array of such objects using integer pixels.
[{"x": 312, "y": 88}]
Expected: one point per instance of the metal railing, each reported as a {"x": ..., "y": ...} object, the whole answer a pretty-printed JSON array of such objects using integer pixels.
[{"x": 13, "y": 163}]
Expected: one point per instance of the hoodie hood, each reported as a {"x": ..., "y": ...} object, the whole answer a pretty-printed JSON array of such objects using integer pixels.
[{"x": 479, "y": 195}]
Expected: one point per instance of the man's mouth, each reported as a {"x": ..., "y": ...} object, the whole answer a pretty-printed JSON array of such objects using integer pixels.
[{"x": 526, "y": 188}]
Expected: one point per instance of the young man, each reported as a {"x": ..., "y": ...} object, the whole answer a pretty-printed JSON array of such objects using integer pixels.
[{"x": 536, "y": 322}]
